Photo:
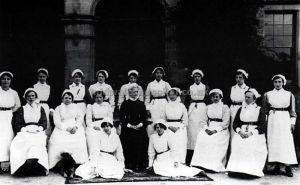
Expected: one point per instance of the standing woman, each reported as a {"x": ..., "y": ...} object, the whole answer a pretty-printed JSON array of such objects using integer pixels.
[
  {"x": 102, "y": 75},
  {"x": 213, "y": 140},
  {"x": 249, "y": 148},
  {"x": 197, "y": 110},
  {"x": 176, "y": 117},
  {"x": 94, "y": 117},
  {"x": 124, "y": 95},
  {"x": 156, "y": 97},
  {"x": 68, "y": 134},
  {"x": 79, "y": 90},
  {"x": 279, "y": 105},
  {"x": 28, "y": 153},
  {"x": 133, "y": 134},
  {"x": 9, "y": 103},
  {"x": 237, "y": 95},
  {"x": 45, "y": 96}
]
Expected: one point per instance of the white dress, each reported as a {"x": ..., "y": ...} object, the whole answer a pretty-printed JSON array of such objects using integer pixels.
[
  {"x": 176, "y": 116},
  {"x": 43, "y": 92},
  {"x": 79, "y": 95},
  {"x": 248, "y": 155},
  {"x": 280, "y": 139},
  {"x": 9, "y": 102},
  {"x": 211, "y": 150},
  {"x": 196, "y": 113},
  {"x": 28, "y": 145},
  {"x": 107, "y": 89},
  {"x": 63, "y": 141},
  {"x": 155, "y": 101},
  {"x": 124, "y": 94},
  {"x": 94, "y": 116},
  {"x": 237, "y": 96},
  {"x": 162, "y": 155},
  {"x": 107, "y": 161}
]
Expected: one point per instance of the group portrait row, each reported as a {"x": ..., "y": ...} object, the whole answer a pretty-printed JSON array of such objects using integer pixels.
[{"x": 157, "y": 131}]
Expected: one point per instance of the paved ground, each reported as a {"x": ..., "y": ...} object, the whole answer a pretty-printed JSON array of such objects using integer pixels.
[{"x": 219, "y": 179}]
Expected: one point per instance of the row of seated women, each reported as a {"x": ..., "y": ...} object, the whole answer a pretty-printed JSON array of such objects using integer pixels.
[{"x": 202, "y": 128}]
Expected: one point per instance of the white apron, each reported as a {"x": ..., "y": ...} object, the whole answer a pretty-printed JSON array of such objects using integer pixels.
[
  {"x": 7, "y": 134},
  {"x": 156, "y": 108},
  {"x": 280, "y": 139},
  {"x": 248, "y": 155},
  {"x": 28, "y": 146}
]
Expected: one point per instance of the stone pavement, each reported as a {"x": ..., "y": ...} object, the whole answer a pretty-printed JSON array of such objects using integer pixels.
[{"x": 219, "y": 179}]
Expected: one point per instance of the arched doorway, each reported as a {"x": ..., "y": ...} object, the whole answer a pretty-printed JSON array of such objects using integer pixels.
[{"x": 129, "y": 35}]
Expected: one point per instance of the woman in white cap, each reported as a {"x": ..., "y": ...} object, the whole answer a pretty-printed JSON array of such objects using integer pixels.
[
  {"x": 237, "y": 94},
  {"x": 123, "y": 94},
  {"x": 279, "y": 106},
  {"x": 197, "y": 110},
  {"x": 213, "y": 139},
  {"x": 156, "y": 97},
  {"x": 101, "y": 76},
  {"x": 45, "y": 96},
  {"x": 108, "y": 160},
  {"x": 94, "y": 116},
  {"x": 249, "y": 148},
  {"x": 79, "y": 90},
  {"x": 68, "y": 135},
  {"x": 28, "y": 153},
  {"x": 163, "y": 158},
  {"x": 133, "y": 132},
  {"x": 176, "y": 118},
  {"x": 9, "y": 103}
]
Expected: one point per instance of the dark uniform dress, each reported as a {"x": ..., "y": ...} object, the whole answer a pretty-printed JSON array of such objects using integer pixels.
[{"x": 134, "y": 142}]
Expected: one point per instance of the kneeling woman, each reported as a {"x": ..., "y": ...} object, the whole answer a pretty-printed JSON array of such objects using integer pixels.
[
  {"x": 28, "y": 153},
  {"x": 68, "y": 135},
  {"x": 249, "y": 149},
  {"x": 163, "y": 155},
  {"x": 108, "y": 161},
  {"x": 212, "y": 141}
]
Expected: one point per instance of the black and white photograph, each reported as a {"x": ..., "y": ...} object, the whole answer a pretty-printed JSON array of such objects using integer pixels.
[{"x": 160, "y": 92}]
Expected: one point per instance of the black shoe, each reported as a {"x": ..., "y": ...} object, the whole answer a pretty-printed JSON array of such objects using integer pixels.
[
  {"x": 276, "y": 170},
  {"x": 288, "y": 171}
]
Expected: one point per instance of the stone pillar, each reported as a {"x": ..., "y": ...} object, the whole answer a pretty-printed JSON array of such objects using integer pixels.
[{"x": 79, "y": 46}]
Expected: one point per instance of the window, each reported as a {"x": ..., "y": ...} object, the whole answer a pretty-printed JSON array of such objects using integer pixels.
[{"x": 280, "y": 40}]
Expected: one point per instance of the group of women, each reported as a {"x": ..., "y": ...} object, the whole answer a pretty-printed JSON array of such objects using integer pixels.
[{"x": 157, "y": 131}]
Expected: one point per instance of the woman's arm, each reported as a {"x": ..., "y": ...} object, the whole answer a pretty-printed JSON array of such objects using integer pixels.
[
  {"x": 18, "y": 120},
  {"x": 262, "y": 122},
  {"x": 43, "y": 119},
  {"x": 151, "y": 152},
  {"x": 89, "y": 115},
  {"x": 237, "y": 123}
]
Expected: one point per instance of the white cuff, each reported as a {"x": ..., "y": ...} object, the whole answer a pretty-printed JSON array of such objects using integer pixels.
[
  {"x": 219, "y": 129},
  {"x": 238, "y": 129},
  {"x": 51, "y": 110},
  {"x": 40, "y": 128},
  {"x": 293, "y": 120},
  {"x": 255, "y": 132},
  {"x": 23, "y": 129},
  {"x": 129, "y": 125}
]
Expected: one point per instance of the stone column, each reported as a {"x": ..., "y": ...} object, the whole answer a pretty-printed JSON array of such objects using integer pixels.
[{"x": 79, "y": 46}]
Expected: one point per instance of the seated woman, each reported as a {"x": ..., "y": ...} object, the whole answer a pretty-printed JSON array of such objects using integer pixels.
[
  {"x": 108, "y": 160},
  {"x": 94, "y": 117},
  {"x": 212, "y": 141},
  {"x": 68, "y": 135},
  {"x": 133, "y": 135},
  {"x": 163, "y": 156},
  {"x": 28, "y": 153},
  {"x": 249, "y": 149}
]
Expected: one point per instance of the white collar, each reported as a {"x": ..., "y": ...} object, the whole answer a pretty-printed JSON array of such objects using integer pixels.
[
  {"x": 252, "y": 105},
  {"x": 198, "y": 84},
  {"x": 241, "y": 87},
  {"x": 155, "y": 81},
  {"x": 74, "y": 85},
  {"x": 100, "y": 83},
  {"x": 5, "y": 90},
  {"x": 280, "y": 90},
  {"x": 39, "y": 83}
]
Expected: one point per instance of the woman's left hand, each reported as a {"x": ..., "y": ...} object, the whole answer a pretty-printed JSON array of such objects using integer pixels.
[
  {"x": 176, "y": 164},
  {"x": 292, "y": 128}
]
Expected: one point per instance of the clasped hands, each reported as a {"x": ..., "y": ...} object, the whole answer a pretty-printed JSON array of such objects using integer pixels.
[
  {"x": 135, "y": 127},
  {"x": 245, "y": 135},
  {"x": 210, "y": 132},
  {"x": 72, "y": 130}
]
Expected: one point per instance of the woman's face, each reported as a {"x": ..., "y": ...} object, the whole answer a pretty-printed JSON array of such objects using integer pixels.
[
  {"x": 77, "y": 78},
  {"x": 107, "y": 129},
  {"x": 5, "y": 81},
  {"x": 160, "y": 130},
  {"x": 132, "y": 79},
  {"x": 101, "y": 78},
  {"x": 99, "y": 98},
  {"x": 278, "y": 83},
  {"x": 67, "y": 99},
  {"x": 42, "y": 78},
  {"x": 239, "y": 79},
  {"x": 197, "y": 78},
  {"x": 215, "y": 98},
  {"x": 172, "y": 95},
  {"x": 249, "y": 98},
  {"x": 30, "y": 97},
  {"x": 158, "y": 74},
  {"x": 134, "y": 92}
]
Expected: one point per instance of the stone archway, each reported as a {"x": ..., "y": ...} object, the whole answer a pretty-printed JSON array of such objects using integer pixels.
[{"x": 79, "y": 27}]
